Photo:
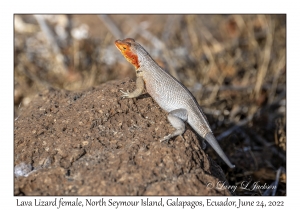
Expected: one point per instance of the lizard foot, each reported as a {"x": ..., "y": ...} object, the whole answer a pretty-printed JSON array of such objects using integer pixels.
[
  {"x": 125, "y": 94},
  {"x": 166, "y": 138}
]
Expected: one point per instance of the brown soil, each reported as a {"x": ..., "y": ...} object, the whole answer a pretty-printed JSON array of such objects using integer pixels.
[{"x": 95, "y": 143}]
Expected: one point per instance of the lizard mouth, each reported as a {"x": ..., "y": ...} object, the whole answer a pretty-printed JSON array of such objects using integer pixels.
[{"x": 125, "y": 48}]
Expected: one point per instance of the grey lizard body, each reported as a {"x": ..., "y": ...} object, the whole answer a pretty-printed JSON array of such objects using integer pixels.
[{"x": 169, "y": 93}]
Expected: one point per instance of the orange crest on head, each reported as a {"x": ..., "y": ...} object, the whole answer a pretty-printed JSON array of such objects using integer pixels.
[{"x": 125, "y": 48}]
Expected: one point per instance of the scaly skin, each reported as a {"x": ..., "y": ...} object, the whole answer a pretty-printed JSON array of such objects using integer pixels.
[{"x": 169, "y": 93}]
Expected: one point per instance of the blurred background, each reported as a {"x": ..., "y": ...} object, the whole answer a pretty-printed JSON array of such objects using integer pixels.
[{"x": 235, "y": 66}]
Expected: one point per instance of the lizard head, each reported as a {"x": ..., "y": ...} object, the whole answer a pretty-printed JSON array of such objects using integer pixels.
[{"x": 128, "y": 48}]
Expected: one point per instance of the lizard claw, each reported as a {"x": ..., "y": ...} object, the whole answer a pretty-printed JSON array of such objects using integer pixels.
[{"x": 125, "y": 94}]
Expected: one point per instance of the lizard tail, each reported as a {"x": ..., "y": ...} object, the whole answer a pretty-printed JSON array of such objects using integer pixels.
[{"x": 215, "y": 145}]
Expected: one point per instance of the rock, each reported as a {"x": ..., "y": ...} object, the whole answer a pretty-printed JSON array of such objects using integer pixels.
[{"x": 95, "y": 143}]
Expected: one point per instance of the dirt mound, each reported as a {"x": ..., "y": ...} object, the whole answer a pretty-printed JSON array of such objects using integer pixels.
[{"x": 95, "y": 143}]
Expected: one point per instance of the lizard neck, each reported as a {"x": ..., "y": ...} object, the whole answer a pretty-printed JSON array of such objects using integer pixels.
[{"x": 147, "y": 64}]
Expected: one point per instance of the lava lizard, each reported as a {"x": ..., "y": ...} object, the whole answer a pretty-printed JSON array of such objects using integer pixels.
[{"x": 169, "y": 93}]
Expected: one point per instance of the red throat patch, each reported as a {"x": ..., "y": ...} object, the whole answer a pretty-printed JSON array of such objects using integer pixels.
[{"x": 125, "y": 49}]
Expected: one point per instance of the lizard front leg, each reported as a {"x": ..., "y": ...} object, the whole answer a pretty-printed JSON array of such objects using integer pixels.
[
  {"x": 177, "y": 118},
  {"x": 140, "y": 85}
]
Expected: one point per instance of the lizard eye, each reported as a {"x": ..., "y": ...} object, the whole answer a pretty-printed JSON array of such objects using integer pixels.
[{"x": 124, "y": 48}]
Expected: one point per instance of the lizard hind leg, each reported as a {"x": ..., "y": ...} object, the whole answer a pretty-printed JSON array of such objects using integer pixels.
[{"x": 177, "y": 118}]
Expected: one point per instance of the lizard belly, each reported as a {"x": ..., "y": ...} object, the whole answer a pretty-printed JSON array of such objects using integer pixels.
[
  {"x": 161, "y": 96},
  {"x": 161, "y": 101}
]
